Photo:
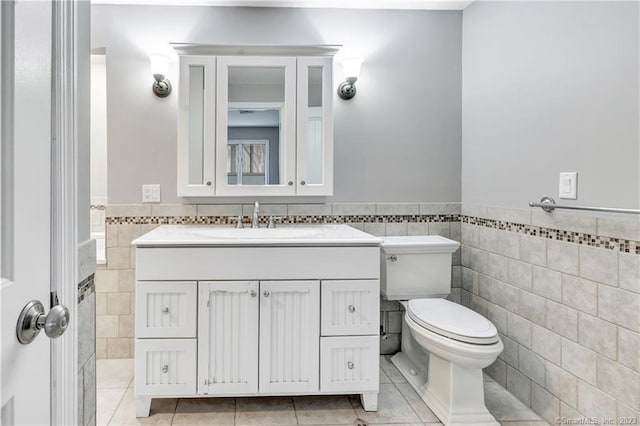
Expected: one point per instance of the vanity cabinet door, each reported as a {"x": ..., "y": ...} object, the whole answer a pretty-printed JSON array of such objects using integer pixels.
[
  {"x": 196, "y": 126},
  {"x": 289, "y": 336},
  {"x": 228, "y": 337},
  {"x": 314, "y": 155}
]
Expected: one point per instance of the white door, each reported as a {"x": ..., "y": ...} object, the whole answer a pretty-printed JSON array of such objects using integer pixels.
[
  {"x": 289, "y": 336},
  {"x": 228, "y": 337},
  {"x": 25, "y": 102}
]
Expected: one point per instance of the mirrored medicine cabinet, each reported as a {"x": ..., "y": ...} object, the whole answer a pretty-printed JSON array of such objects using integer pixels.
[{"x": 255, "y": 120}]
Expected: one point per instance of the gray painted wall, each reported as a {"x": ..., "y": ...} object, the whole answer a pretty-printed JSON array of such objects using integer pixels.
[
  {"x": 550, "y": 87},
  {"x": 397, "y": 140}
]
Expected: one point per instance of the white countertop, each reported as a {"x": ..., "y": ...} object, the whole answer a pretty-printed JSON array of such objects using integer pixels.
[{"x": 220, "y": 235}]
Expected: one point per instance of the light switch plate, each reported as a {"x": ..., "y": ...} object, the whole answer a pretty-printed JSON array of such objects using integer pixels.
[
  {"x": 568, "y": 186},
  {"x": 151, "y": 193}
]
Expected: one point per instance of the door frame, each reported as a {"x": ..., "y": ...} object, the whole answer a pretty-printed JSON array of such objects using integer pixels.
[{"x": 64, "y": 207}]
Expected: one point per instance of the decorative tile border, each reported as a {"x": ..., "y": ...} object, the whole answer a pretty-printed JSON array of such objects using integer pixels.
[
  {"x": 610, "y": 243},
  {"x": 290, "y": 220},
  {"x": 86, "y": 287}
]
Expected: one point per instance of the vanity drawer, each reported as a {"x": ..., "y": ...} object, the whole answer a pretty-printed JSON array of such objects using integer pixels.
[
  {"x": 349, "y": 363},
  {"x": 166, "y": 309},
  {"x": 350, "y": 307},
  {"x": 165, "y": 366}
]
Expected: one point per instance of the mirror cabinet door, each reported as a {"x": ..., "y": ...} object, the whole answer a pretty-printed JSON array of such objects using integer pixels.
[
  {"x": 196, "y": 148},
  {"x": 255, "y": 126},
  {"x": 315, "y": 126}
]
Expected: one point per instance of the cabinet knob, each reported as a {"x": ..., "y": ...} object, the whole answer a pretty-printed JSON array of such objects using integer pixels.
[
  {"x": 208, "y": 183},
  {"x": 165, "y": 368},
  {"x": 350, "y": 365},
  {"x": 165, "y": 310},
  {"x": 352, "y": 308},
  {"x": 290, "y": 183},
  {"x": 393, "y": 258},
  {"x": 253, "y": 293},
  {"x": 266, "y": 293},
  {"x": 303, "y": 182}
]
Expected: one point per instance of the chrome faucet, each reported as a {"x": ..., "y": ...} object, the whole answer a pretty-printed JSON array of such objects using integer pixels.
[{"x": 256, "y": 210}]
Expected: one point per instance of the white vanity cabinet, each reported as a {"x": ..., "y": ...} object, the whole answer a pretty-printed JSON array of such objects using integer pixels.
[
  {"x": 292, "y": 315},
  {"x": 255, "y": 120}
]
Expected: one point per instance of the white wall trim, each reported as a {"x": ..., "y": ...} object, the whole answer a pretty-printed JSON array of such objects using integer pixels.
[
  {"x": 64, "y": 240},
  {"x": 322, "y": 4}
]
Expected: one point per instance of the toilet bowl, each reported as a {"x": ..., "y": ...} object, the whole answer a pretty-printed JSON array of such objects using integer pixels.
[{"x": 445, "y": 345}]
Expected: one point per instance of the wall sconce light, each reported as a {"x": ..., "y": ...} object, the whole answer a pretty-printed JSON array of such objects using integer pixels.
[
  {"x": 347, "y": 89},
  {"x": 159, "y": 66}
]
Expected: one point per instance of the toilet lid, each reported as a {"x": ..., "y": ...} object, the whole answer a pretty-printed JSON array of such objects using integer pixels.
[{"x": 452, "y": 320}]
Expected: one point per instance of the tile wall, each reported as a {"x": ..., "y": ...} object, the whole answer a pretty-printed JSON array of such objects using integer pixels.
[
  {"x": 115, "y": 281},
  {"x": 563, "y": 289},
  {"x": 87, "y": 351}
]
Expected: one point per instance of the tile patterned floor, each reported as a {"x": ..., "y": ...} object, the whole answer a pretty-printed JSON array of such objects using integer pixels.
[{"x": 398, "y": 405}]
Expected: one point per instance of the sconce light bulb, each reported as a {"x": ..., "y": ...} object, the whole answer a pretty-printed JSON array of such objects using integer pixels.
[
  {"x": 159, "y": 63},
  {"x": 351, "y": 67}
]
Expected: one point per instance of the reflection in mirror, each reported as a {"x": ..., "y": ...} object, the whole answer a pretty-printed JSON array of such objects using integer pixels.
[
  {"x": 248, "y": 162},
  {"x": 314, "y": 126},
  {"x": 254, "y": 125},
  {"x": 196, "y": 124}
]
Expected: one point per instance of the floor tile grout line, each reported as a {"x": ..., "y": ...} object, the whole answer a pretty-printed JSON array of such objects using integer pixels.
[
  {"x": 175, "y": 408},
  {"x": 235, "y": 410},
  {"x": 124, "y": 394},
  {"x": 408, "y": 403},
  {"x": 295, "y": 411}
]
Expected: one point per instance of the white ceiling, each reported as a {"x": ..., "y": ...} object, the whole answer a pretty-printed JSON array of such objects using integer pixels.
[{"x": 328, "y": 4}]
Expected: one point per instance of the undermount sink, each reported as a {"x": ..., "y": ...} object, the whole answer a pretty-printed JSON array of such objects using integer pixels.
[
  {"x": 218, "y": 235},
  {"x": 258, "y": 233}
]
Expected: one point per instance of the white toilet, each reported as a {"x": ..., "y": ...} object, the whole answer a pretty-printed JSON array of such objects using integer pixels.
[{"x": 445, "y": 345}]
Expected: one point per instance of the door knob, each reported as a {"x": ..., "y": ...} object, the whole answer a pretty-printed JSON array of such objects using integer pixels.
[{"x": 32, "y": 319}]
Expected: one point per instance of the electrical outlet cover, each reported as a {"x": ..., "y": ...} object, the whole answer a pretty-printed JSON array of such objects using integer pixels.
[{"x": 151, "y": 193}]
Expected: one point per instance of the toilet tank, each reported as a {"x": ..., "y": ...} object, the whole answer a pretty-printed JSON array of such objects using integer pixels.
[{"x": 415, "y": 267}]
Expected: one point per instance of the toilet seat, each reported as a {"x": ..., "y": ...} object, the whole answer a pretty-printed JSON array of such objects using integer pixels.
[{"x": 452, "y": 320}]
